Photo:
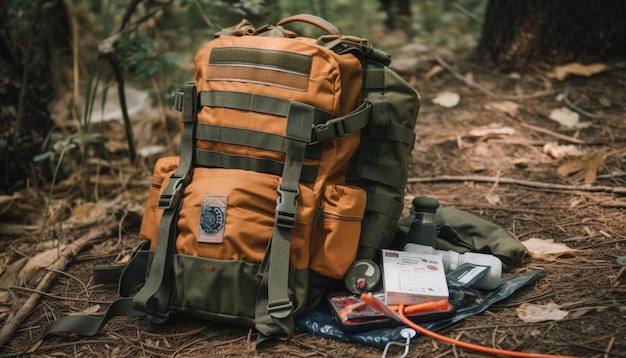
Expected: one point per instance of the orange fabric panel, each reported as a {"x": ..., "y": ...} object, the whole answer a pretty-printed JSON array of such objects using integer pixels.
[
  {"x": 242, "y": 225},
  {"x": 336, "y": 237},
  {"x": 249, "y": 216}
]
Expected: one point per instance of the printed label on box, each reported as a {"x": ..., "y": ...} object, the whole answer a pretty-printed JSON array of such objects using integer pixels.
[{"x": 411, "y": 278}]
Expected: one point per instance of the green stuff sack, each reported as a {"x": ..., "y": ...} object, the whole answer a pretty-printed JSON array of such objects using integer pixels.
[
  {"x": 463, "y": 232},
  {"x": 475, "y": 234}
]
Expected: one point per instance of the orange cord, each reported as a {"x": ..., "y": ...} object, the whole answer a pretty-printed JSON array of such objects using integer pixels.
[{"x": 379, "y": 305}]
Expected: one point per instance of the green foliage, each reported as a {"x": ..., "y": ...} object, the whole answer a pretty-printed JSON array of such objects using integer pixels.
[
  {"x": 137, "y": 55},
  {"x": 157, "y": 46}
]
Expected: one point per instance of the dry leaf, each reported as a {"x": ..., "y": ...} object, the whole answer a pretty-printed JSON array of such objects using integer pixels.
[
  {"x": 151, "y": 150},
  {"x": 547, "y": 250},
  {"x": 88, "y": 311},
  {"x": 492, "y": 130},
  {"x": 9, "y": 277},
  {"x": 587, "y": 167},
  {"x": 568, "y": 118},
  {"x": 576, "y": 69},
  {"x": 447, "y": 99},
  {"x": 433, "y": 72},
  {"x": 558, "y": 151},
  {"x": 532, "y": 313},
  {"x": 502, "y": 106},
  {"x": 38, "y": 262},
  {"x": 493, "y": 199},
  {"x": 17, "y": 229},
  {"x": 87, "y": 214},
  {"x": 407, "y": 64}
]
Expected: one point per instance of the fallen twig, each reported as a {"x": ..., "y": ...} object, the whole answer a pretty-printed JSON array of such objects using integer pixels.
[
  {"x": 445, "y": 65},
  {"x": 552, "y": 133},
  {"x": 486, "y": 91},
  {"x": 532, "y": 184},
  {"x": 578, "y": 109},
  {"x": 70, "y": 252}
]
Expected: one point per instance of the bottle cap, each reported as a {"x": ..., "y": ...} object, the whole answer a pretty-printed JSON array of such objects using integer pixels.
[{"x": 425, "y": 204}]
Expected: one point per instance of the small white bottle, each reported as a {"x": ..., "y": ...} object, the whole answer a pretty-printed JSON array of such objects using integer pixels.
[{"x": 452, "y": 260}]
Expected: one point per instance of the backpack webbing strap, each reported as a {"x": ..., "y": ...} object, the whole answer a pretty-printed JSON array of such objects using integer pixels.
[
  {"x": 255, "y": 103},
  {"x": 249, "y": 138},
  {"x": 86, "y": 325},
  {"x": 89, "y": 325},
  {"x": 323, "y": 129},
  {"x": 216, "y": 159},
  {"x": 113, "y": 273},
  {"x": 154, "y": 296},
  {"x": 344, "y": 125},
  {"x": 273, "y": 316}
]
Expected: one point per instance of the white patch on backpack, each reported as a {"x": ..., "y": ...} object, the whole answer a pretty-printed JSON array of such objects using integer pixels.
[{"x": 212, "y": 219}]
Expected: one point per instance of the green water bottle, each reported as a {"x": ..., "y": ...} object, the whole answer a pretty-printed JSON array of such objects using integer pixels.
[{"x": 422, "y": 230}]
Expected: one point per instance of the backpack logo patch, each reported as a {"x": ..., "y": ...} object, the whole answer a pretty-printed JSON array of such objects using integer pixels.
[{"x": 212, "y": 218}]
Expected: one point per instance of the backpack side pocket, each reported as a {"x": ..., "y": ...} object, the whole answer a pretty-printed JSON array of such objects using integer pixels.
[
  {"x": 335, "y": 239},
  {"x": 163, "y": 169}
]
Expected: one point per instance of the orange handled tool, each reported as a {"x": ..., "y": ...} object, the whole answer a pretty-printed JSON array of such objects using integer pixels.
[{"x": 426, "y": 307}]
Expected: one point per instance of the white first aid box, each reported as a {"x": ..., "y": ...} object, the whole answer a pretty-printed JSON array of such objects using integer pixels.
[{"x": 410, "y": 278}]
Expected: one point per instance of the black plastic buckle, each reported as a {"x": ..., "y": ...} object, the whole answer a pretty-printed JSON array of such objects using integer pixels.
[
  {"x": 286, "y": 207},
  {"x": 172, "y": 193},
  {"x": 331, "y": 130},
  {"x": 178, "y": 101},
  {"x": 280, "y": 309}
]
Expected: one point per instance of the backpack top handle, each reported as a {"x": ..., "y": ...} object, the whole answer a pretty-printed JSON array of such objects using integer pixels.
[{"x": 313, "y": 20}]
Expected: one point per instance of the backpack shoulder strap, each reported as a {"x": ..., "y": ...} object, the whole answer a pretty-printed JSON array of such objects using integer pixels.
[
  {"x": 274, "y": 307},
  {"x": 154, "y": 296}
]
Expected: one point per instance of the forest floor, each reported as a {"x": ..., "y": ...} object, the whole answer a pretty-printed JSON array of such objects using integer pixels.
[{"x": 496, "y": 154}]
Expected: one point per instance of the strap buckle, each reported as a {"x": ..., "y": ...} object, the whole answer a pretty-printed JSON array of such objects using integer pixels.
[
  {"x": 286, "y": 207},
  {"x": 331, "y": 130},
  {"x": 280, "y": 309},
  {"x": 178, "y": 101},
  {"x": 172, "y": 194}
]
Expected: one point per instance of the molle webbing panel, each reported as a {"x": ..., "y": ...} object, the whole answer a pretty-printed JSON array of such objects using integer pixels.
[
  {"x": 381, "y": 167},
  {"x": 277, "y": 68}
]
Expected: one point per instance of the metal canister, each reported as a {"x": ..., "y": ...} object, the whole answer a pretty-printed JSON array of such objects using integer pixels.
[{"x": 363, "y": 276}]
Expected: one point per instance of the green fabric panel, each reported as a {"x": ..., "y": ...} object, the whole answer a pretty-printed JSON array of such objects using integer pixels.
[
  {"x": 201, "y": 290},
  {"x": 241, "y": 56},
  {"x": 384, "y": 203},
  {"x": 372, "y": 235},
  {"x": 374, "y": 78},
  {"x": 483, "y": 235},
  {"x": 381, "y": 167},
  {"x": 214, "y": 159},
  {"x": 394, "y": 132},
  {"x": 385, "y": 175}
]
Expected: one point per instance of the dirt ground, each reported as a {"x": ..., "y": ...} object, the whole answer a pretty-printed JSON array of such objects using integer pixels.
[{"x": 488, "y": 155}]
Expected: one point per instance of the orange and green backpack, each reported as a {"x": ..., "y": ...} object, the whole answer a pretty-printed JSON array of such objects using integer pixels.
[{"x": 293, "y": 162}]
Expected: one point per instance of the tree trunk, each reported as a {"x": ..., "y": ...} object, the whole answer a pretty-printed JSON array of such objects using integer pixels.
[
  {"x": 521, "y": 33},
  {"x": 30, "y": 32}
]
